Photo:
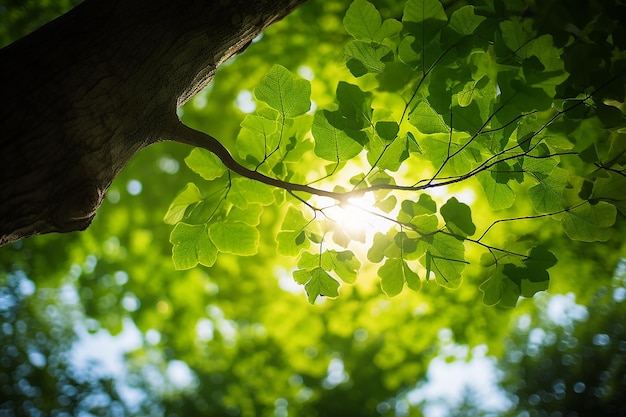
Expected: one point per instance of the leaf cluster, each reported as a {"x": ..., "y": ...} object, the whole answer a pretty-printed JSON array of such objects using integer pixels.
[{"x": 435, "y": 104}]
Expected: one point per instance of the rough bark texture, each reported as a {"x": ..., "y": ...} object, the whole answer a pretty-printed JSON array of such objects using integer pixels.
[{"x": 83, "y": 94}]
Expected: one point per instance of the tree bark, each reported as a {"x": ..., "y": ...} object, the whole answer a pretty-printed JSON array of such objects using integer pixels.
[{"x": 83, "y": 94}]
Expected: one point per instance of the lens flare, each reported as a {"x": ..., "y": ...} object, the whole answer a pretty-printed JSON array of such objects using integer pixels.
[{"x": 358, "y": 214}]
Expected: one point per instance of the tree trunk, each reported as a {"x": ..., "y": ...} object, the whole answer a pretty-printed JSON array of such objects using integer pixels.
[{"x": 83, "y": 94}]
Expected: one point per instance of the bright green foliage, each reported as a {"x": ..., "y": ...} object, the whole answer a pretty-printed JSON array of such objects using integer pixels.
[
  {"x": 291, "y": 239},
  {"x": 205, "y": 164},
  {"x": 499, "y": 194},
  {"x": 363, "y": 21},
  {"x": 435, "y": 105},
  {"x": 284, "y": 92},
  {"x": 332, "y": 141},
  {"x": 508, "y": 281},
  {"x": 237, "y": 238},
  {"x": 192, "y": 246},
  {"x": 445, "y": 258},
  {"x": 513, "y": 126},
  {"x": 189, "y": 195},
  {"x": 590, "y": 222},
  {"x": 313, "y": 273},
  {"x": 394, "y": 273}
]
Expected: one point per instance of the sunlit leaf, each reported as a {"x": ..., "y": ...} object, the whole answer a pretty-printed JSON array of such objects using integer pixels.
[
  {"x": 234, "y": 237},
  {"x": 285, "y": 92},
  {"x": 428, "y": 120},
  {"x": 590, "y": 222},
  {"x": 331, "y": 141},
  {"x": 394, "y": 273},
  {"x": 250, "y": 215},
  {"x": 205, "y": 163},
  {"x": 344, "y": 263},
  {"x": 363, "y": 21},
  {"x": 447, "y": 259},
  {"x": 244, "y": 191},
  {"x": 380, "y": 244},
  {"x": 189, "y": 195},
  {"x": 424, "y": 19},
  {"x": 320, "y": 284},
  {"x": 499, "y": 195},
  {"x": 192, "y": 246},
  {"x": 258, "y": 137},
  {"x": 370, "y": 57}
]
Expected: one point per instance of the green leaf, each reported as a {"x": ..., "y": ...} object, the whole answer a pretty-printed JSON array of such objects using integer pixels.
[
  {"x": 426, "y": 224},
  {"x": 423, "y": 206},
  {"x": 540, "y": 258},
  {"x": 331, "y": 142},
  {"x": 294, "y": 220},
  {"x": 529, "y": 281},
  {"x": 458, "y": 217},
  {"x": 394, "y": 154},
  {"x": 205, "y": 163},
  {"x": 309, "y": 261},
  {"x": 235, "y": 237},
  {"x": 424, "y": 19},
  {"x": 292, "y": 238},
  {"x": 548, "y": 70},
  {"x": 244, "y": 191},
  {"x": 493, "y": 287},
  {"x": 250, "y": 215},
  {"x": 545, "y": 196},
  {"x": 590, "y": 223},
  {"x": 345, "y": 264},
  {"x": 380, "y": 243},
  {"x": 427, "y": 120},
  {"x": 258, "y": 137},
  {"x": 354, "y": 105},
  {"x": 363, "y": 21},
  {"x": 464, "y": 21},
  {"x": 387, "y": 130},
  {"x": 499, "y": 195},
  {"x": 394, "y": 273},
  {"x": 189, "y": 195},
  {"x": 302, "y": 276},
  {"x": 447, "y": 259},
  {"x": 391, "y": 278},
  {"x": 611, "y": 189},
  {"x": 192, "y": 246},
  {"x": 388, "y": 204},
  {"x": 320, "y": 283},
  {"x": 370, "y": 58},
  {"x": 507, "y": 282},
  {"x": 285, "y": 92},
  {"x": 291, "y": 242},
  {"x": 516, "y": 33},
  {"x": 437, "y": 149},
  {"x": 500, "y": 290}
]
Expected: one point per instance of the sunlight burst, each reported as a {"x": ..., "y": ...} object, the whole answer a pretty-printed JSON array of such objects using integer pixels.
[{"x": 360, "y": 214}]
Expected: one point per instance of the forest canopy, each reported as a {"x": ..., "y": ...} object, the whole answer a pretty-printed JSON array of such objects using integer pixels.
[{"x": 408, "y": 181}]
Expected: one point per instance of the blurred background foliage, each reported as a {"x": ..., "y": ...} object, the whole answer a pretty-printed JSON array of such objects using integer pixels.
[{"x": 99, "y": 323}]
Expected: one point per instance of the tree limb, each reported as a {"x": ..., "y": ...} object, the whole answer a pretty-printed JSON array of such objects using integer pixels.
[{"x": 184, "y": 134}]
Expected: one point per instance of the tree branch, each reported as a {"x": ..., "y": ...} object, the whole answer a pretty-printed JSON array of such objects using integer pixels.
[{"x": 184, "y": 134}]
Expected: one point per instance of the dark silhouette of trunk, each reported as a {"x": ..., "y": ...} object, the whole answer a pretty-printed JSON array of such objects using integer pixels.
[{"x": 83, "y": 94}]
